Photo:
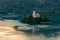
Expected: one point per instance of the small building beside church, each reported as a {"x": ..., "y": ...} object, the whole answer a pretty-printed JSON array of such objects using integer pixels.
[{"x": 35, "y": 14}]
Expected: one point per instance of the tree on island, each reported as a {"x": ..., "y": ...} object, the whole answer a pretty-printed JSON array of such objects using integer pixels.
[{"x": 35, "y": 19}]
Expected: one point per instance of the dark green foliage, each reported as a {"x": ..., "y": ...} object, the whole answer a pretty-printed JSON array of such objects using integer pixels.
[{"x": 30, "y": 20}]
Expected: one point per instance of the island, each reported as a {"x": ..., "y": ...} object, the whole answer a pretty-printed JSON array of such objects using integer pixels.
[{"x": 36, "y": 19}]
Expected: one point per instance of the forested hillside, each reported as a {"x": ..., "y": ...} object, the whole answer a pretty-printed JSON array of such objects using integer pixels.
[{"x": 26, "y": 6}]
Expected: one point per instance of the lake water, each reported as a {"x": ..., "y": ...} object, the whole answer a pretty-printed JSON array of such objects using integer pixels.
[{"x": 26, "y": 36}]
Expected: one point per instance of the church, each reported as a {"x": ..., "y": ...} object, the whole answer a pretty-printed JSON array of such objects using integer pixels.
[{"x": 35, "y": 14}]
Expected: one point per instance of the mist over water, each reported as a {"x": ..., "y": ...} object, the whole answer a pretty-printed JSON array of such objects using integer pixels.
[{"x": 7, "y": 32}]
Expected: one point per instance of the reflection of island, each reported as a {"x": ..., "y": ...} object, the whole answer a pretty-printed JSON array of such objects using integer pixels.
[{"x": 35, "y": 18}]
